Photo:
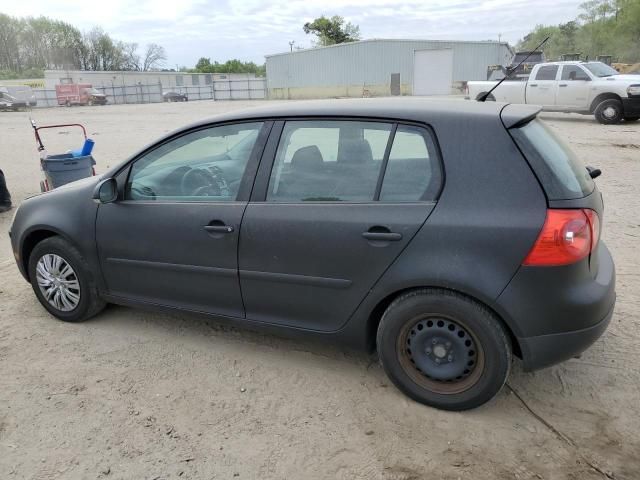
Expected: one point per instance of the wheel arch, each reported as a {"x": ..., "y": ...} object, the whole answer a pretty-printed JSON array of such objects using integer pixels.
[
  {"x": 601, "y": 98},
  {"x": 34, "y": 237},
  {"x": 376, "y": 313}
]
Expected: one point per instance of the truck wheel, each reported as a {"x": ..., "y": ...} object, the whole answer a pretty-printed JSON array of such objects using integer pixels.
[
  {"x": 609, "y": 112},
  {"x": 444, "y": 349},
  {"x": 490, "y": 98},
  {"x": 631, "y": 119},
  {"x": 67, "y": 103}
]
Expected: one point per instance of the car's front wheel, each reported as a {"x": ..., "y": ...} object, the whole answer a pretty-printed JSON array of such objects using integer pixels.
[
  {"x": 444, "y": 349},
  {"x": 62, "y": 281}
]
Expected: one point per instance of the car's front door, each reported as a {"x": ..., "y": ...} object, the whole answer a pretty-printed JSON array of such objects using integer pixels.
[
  {"x": 334, "y": 209},
  {"x": 573, "y": 88},
  {"x": 541, "y": 90},
  {"x": 172, "y": 237}
]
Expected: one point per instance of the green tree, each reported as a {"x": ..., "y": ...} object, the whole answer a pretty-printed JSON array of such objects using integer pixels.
[
  {"x": 604, "y": 27},
  {"x": 42, "y": 43},
  {"x": 204, "y": 65},
  {"x": 330, "y": 31}
]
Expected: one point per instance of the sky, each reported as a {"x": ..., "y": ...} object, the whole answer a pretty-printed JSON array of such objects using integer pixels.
[{"x": 251, "y": 29}]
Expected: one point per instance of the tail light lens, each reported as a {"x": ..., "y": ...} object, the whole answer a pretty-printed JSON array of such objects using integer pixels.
[{"x": 566, "y": 237}]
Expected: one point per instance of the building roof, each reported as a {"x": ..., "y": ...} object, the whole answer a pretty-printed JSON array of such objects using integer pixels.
[{"x": 398, "y": 40}]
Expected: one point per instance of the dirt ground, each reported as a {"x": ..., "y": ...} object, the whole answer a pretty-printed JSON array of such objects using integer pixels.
[{"x": 138, "y": 395}]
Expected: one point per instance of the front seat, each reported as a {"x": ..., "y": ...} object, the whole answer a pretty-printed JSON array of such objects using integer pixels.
[{"x": 358, "y": 173}]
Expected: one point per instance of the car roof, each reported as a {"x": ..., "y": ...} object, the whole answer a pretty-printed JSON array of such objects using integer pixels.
[{"x": 398, "y": 108}]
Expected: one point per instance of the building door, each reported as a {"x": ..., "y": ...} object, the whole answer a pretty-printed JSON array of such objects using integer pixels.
[{"x": 432, "y": 72}]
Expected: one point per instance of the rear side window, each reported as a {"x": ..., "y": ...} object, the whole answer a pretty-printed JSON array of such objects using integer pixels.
[
  {"x": 412, "y": 172},
  {"x": 328, "y": 161},
  {"x": 548, "y": 72},
  {"x": 354, "y": 161},
  {"x": 562, "y": 174}
]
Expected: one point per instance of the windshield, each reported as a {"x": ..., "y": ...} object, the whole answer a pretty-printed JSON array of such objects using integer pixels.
[
  {"x": 600, "y": 69},
  {"x": 561, "y": 173},
  {"x": 93, "y": 91}
]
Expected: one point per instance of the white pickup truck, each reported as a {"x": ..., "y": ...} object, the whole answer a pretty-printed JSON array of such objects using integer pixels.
[{"x": 591, "y": 88}]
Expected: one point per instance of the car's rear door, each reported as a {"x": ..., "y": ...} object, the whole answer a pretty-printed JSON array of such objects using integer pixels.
[
  {"x": 172, "y": 237},
  {"x": 337, "y": 204},
  {"x": 541, "y": 90}
]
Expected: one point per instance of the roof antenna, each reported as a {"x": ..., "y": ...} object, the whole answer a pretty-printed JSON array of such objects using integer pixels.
[{"x": 511, "y": 70}]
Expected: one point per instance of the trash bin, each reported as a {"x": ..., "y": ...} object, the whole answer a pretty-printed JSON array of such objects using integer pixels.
[{"x": 62, "y": 169}]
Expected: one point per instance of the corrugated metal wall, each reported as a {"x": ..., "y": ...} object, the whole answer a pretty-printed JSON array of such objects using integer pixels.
[{"x": 373, "y": 61}]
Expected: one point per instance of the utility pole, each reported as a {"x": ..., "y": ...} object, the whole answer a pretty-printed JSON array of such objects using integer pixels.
[
  {"x": 291, "y": 43},
  {"x": 499, "y": 37}
]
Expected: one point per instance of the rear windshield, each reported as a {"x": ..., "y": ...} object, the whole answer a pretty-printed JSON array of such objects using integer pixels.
[{"x": 562, "y": 174}]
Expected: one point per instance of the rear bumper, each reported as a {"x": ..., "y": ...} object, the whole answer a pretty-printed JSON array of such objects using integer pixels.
[
  {"x": 558, "y": 312},
  {"x": 631, "y": 106},
  {"x": 546, "y": 350}
]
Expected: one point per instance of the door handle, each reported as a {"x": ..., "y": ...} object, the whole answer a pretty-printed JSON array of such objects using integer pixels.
[
  {"x": 533, "y": 84},
  {"x": 218, "y": 227},
  {"x": 381, "y": 234},
  {"x": 562, "y": 85}
]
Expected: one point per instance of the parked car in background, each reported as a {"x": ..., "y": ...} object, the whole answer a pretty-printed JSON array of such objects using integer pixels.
[
  {"x": 9, "y": 102},
  {"x": 22, "y": 93},
  {"x": 334, "y": 219},
  {"x": 590, "y": 88},
  {"x": 69, "y": 94},
  {"x": 174, "y": 97}
]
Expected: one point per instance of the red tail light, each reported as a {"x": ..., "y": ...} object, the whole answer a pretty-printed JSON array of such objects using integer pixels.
[{"x": 566, "y": 237}]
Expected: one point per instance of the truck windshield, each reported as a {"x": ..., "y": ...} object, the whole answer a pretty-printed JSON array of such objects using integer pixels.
[
  {"x": 600, "y": 69},
  {"x": 561, "y": 173}
]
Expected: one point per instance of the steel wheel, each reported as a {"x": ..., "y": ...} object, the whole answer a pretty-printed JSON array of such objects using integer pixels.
[
  {"x": 440, "y": 354},
  {"x": 58, "y": 282}
]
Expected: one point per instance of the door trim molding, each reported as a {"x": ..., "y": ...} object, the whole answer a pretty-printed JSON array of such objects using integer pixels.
[
  {"x": 336, "y": 283},
  {"x": 176, "y": 267}
]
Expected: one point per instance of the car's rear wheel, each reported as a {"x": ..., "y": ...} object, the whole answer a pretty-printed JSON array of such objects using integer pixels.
[
  {"x": 444, "y": 349},
  {"x": 62, "y": 281},
  {"x": 609, "y": 112}
]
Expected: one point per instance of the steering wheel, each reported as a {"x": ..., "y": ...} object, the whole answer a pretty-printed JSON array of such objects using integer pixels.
[{"x": 198, "y": 182}]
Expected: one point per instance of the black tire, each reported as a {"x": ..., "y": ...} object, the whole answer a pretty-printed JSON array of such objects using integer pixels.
[
  {"x": 442, "y": 312},
  {"x": 609, "y": 112},
  {"x": 90, "y": 303},
  {"x": 631, "y": 119}
]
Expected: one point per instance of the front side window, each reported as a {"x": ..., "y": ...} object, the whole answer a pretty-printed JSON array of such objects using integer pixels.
[
  {"x": 205, "y": 165},
  {"x": 328, "y": 161},
  {"x": 574, "y": 72},
  {"x": 548, "y": 72},
  {"x": 600, "y": 69}
]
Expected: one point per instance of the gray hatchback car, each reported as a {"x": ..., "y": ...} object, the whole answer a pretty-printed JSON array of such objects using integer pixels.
[{"x": 447, "y": 235}]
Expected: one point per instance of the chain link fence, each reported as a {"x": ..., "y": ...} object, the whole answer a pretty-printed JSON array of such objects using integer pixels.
[{"x": 232, "y": 89}]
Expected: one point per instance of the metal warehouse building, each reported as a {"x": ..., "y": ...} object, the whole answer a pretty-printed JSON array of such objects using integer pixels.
[{"x": 381, "y": 67}]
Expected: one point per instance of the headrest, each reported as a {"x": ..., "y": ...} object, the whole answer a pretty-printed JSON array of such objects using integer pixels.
[
  {"x": 307, "y": 157},
  {"x": 355, "y": 151}
]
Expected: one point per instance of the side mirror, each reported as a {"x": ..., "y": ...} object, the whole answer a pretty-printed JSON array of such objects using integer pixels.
[
  {"x": 594, "y": 172},
  {"x": 106, "y": 191}
]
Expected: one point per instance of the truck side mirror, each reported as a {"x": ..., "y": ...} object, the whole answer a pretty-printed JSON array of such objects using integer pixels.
[{"x": 106, "y": 191}]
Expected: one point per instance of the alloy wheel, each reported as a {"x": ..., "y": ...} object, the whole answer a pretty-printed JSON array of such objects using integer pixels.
[{"x": 58, "y": 282}]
